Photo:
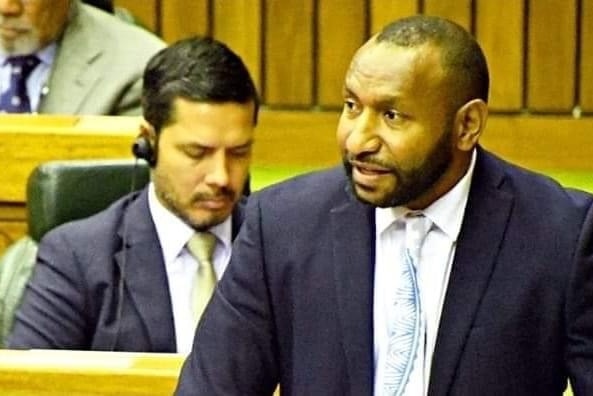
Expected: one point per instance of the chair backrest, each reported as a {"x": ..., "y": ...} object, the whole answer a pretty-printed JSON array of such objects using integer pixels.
[
  {"x": 61, "y": 191},
  {"x": 58, "y": 192}
]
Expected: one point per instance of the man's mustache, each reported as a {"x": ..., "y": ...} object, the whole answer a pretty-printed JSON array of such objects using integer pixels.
[{"x": 222, "y": 193}]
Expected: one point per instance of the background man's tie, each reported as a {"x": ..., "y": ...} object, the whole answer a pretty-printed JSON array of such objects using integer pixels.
[
  {"x": 406, "y": 325},
  {"x": 15, "y": 99},
  {"x": 201, "y": 246}
]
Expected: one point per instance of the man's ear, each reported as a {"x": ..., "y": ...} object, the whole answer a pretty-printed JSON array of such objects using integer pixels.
[
  {"x": 147, "y": 131},
  {"x": 145, "y": 146},
  {"x": 470, "y": 121}
]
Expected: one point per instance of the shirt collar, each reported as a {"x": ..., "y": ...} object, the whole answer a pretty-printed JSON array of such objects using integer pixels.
[
  {"x": 48, "y": 54},
  {"x": 173, "y": 233},
  {"x": 446, "y": 212}
]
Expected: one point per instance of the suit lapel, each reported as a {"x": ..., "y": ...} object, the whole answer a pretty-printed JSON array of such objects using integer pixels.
[
  {"x": 485, "y": 220},
  {"x": 237, "y": 217},
  {"x": 72, "y": 77},
  {"x": 145, "y": 277},
  {"x": 353, "y": 253}
]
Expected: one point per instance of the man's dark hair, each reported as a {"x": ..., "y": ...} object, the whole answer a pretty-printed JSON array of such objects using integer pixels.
[
  {"x": 199, "y": 69},
  {"x": 461, "y": 56}
]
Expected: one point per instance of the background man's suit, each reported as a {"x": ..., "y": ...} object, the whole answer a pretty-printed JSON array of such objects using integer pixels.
[
  {"x": 98, "y": 65},
  {"x": 72, "y": 300},
  {"x": 295, "y": 304}
]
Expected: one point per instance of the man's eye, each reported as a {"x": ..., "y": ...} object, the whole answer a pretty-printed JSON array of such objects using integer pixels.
[
  {"x": 350, "y": 105},
  {"x": 391, "y": 114},
  {"x": 241, "y": 152},
  {"x": 195, "y": 153}
]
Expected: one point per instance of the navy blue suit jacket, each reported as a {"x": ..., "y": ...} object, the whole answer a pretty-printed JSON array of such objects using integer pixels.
[
  {"x": 73, "y": 298},
  {"x": 295, "y": 305}
]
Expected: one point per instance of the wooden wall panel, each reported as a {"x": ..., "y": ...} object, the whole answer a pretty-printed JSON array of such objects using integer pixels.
[
  {"x": 183, "y": 18},
  {"x": 385, "y": 11},
  {"x": 238, "y": 24},
  {"x": 551, "y": 57},
  {"x": 296, "y": 139},
  {"x": 458, "y": 11},
  {"x": 542, "y": 142},
  {"x": 499, "y": 30},
  {"x": 298, "y": 53},
  {"x": 289, "y": 54},
  {"x": 587, "y": 56},
  {"x": 145, "y": 11},
  {"x": 341, "y": 31}
]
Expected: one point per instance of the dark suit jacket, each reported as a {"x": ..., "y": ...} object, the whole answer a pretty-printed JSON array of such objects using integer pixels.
[
  {"x": 295, "y": 305},
  {"x": 73, "y": 299}
]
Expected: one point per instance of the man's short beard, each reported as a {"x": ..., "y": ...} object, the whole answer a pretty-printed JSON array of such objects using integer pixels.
[
  {"x": 411, "y": 184},
  {"x": 173, "y": 206},
  {"x": 22, "y": 45}
]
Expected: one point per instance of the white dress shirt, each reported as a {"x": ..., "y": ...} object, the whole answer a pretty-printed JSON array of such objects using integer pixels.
[
  {"x": 433, "y": 272},
  {"x": 182, "y": 267},
  {"x": 37, "y": 82}
]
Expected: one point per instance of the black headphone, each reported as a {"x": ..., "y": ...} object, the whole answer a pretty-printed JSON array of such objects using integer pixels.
[{"x": 142, "y": 149}]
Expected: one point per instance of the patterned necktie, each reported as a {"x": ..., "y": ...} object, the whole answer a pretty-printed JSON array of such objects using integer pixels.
[
  {"x": 201, "y": 246},
  {"x": 15, "y": 99},
  {"x": 406, "y": 330}
]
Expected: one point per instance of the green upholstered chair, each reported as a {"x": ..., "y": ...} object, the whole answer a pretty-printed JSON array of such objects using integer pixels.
[{"x": 58, "y": 192}]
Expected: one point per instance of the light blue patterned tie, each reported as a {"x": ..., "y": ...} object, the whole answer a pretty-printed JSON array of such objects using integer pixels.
[{"x": 405, "y": 327}]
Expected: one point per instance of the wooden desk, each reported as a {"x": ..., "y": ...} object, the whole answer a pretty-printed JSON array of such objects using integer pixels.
[
  {"x": 78, "y": 373},
  {"x": 26, "y": 141},
  {"x": 88, "y": 373}
]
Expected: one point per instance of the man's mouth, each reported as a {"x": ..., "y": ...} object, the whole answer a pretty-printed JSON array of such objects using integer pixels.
[
  {"x": 217, "y": 202},
  {"x": 11, "y": 31},
  {"x": 367, "y": 174}
]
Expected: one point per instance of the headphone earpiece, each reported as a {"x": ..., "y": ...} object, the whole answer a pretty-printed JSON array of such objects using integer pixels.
[{"x": 142, "y": 149}]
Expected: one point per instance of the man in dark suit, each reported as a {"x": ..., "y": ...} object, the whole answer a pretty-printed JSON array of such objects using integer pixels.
[
  {"x": 125, "y": 279},
  {"x": 333, "y": 289}
]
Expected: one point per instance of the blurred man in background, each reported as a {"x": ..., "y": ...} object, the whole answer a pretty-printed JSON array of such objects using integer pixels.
[{"x": 63, "y": 56}]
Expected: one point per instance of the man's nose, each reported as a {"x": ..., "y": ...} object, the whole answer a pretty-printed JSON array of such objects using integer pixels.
[
  {"x": 11, "y": 7},
  {"x": 363, "y": 137},
  {"x": 218, "y": 173}
]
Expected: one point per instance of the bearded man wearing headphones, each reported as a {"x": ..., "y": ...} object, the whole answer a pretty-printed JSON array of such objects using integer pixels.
[{"x": 132, "y": 278}]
